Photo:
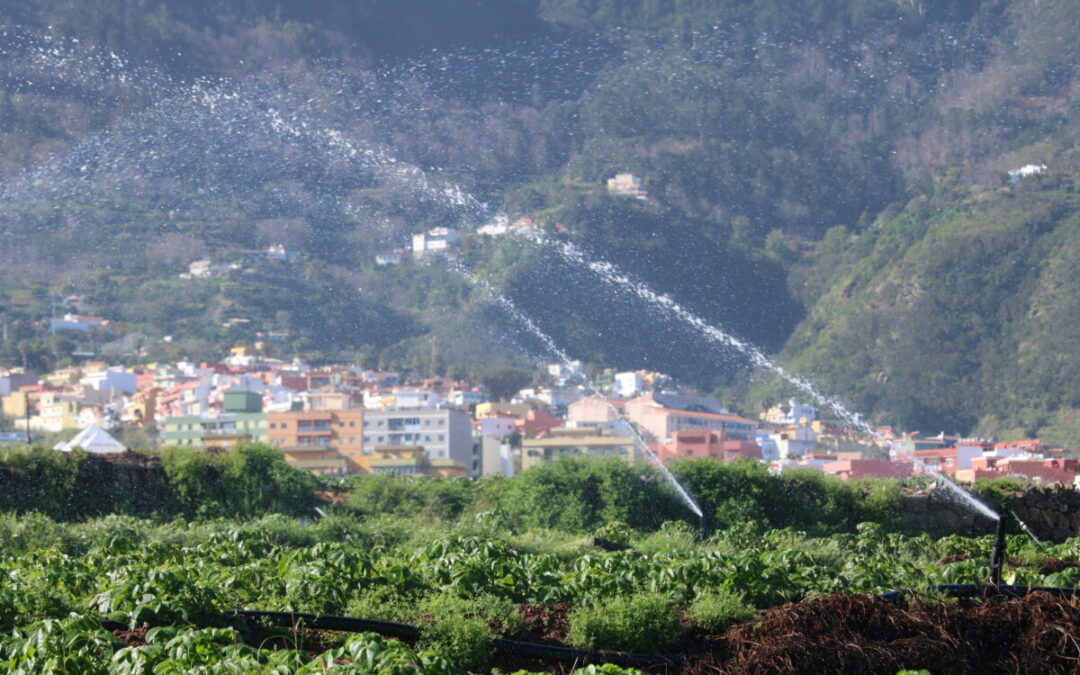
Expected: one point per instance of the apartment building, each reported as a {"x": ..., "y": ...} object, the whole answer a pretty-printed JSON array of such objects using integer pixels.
[
  {"x": 321, "y": 441},
  {"x": 576, "y": 442},
  {"x": 444, "y": 433}
]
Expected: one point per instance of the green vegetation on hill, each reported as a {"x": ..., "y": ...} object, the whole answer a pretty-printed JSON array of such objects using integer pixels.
[
  {"x": 814, "y": 173},
  {"x": 951, "y": 315}
]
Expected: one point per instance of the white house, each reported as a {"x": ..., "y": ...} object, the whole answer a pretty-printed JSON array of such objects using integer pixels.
[
  {"x": 499, "y": 226},
  {"x": 794, "y": 442},
  {"x": 792, "y": 413},
  {"x": 465, "y": 397},
  {"x": 435, "y": 240},
  {"x": 496, "y": 427},
  {"x": 390, "y": 257},
  {"x": 111, "y": 379},
  {"x": 1025, "y": 171},
  {"x": 626, "y": 184},
  {"x": 496, "y": 458},
  {"x": 628, "y": 384}
]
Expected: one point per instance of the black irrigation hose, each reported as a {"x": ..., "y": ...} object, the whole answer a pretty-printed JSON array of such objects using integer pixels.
[
  {"x": 984, "y": 590},
  {"x": 406, "y": 632},
  {"x": 342, "y": 623}
]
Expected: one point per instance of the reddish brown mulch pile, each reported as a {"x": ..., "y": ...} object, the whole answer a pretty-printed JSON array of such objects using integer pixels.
[
  {"x": 546, "y": 624},
  {"x": 1052, "y": 565},
  {"x": 862, "y": 634},
  {"x": 132, "y": 638}
]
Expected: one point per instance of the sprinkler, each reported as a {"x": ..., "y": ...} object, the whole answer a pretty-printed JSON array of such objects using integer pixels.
[
  {"x": 704, "y": 527},
  {"x": 1025, "y": 528},
  {"x": 997, "y": 556}
]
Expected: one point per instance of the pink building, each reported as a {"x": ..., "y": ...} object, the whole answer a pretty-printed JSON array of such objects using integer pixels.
[
  {"x": 663, "y": 422},
  {"x": 595, "y": 410},
  {"x": 1064, "y": 471},
  {"x": 869, "y": 468},
  {"x": 950, "y": 460},
  {"x": 693, "y": 444}
]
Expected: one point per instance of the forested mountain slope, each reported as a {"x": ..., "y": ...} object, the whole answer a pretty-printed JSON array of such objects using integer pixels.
[{"x": 136, "y": 137}]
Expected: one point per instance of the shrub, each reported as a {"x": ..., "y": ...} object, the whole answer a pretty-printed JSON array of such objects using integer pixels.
[
  {"x": 501, "y": 615},
  {"x": 715, "y": 610},
  {"x": 465, "y": 642},
  {"x": 639, "y": 623}
]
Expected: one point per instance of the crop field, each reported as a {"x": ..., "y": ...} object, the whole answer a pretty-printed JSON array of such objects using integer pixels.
[{"x": 125, "y": 595}]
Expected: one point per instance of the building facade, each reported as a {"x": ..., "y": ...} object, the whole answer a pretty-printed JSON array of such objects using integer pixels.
[
  {"x": 577, "y": 442},
  {"x": 444, "y": 433},
  {"x": 325, "y": 442}
]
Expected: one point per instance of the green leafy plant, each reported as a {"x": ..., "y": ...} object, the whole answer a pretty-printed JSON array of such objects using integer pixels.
[
  {"x": 639, "y": 623},
  {"x": 716, "y": 610}
]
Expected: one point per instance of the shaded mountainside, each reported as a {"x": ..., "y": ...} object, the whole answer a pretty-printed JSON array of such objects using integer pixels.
[
  {"x": 956, "y": 315},
  {"x": 814, "y": 175}
]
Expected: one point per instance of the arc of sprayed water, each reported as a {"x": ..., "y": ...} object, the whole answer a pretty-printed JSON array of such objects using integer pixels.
[
  {"x": 510, "y": 308},
  {"x": 613, "y": 276}
]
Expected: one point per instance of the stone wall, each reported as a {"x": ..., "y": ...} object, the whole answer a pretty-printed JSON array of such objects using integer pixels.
[{"x": 1052, "y": 513}]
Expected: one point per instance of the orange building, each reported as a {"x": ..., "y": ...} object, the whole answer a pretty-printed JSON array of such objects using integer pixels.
[{"x": 321, "y": 441}]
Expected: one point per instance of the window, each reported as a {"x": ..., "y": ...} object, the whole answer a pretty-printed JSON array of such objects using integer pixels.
[
  {"x": 273, "y": 425},
  {"x": 441, "y": 437},
  {"x": 427, "y": 437},
  {"x": 352, "y": 425}
]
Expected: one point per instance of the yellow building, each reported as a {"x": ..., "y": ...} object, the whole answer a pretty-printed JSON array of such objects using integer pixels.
[
  {"x": 411, "y": 460},
  {"x": 577, "y": 442},
  {"x": 15, "y": 404},
  {"x": 497, "y": 409},
  {"x": 56, "y": 412}
]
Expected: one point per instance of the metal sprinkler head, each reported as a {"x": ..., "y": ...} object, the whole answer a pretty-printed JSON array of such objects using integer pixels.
[
  {"x": 704, "y": 527},
  {"x": 997, "y": 556}
]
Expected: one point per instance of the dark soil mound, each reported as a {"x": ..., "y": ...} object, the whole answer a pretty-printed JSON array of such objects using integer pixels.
[
  {"x": 1052, "y": 565},
  {"x": 546, "y": 624},
  {"x": 863, "y": 634}
]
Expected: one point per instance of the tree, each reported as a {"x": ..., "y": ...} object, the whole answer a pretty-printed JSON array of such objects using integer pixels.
[{"x": 503, "y": 383}]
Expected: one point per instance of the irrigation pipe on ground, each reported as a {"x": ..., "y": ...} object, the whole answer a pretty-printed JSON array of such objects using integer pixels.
[{"x": 405, "y": 631}]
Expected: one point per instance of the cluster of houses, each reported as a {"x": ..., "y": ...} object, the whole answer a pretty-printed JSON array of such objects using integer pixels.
[
  {"x": 342, "y": 420},
  {"x": 442, "y": 240}
]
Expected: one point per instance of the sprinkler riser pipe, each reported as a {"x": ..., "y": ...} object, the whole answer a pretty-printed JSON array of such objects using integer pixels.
[
  {"x": 997, "y": 555},
  {"x": 704, "y": 527}
]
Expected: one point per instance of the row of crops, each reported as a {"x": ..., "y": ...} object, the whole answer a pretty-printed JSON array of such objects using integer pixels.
[{"x": 462, "y": 585}]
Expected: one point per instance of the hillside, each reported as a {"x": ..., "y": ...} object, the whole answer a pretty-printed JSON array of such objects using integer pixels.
[{"x": 813, "y": 177}]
